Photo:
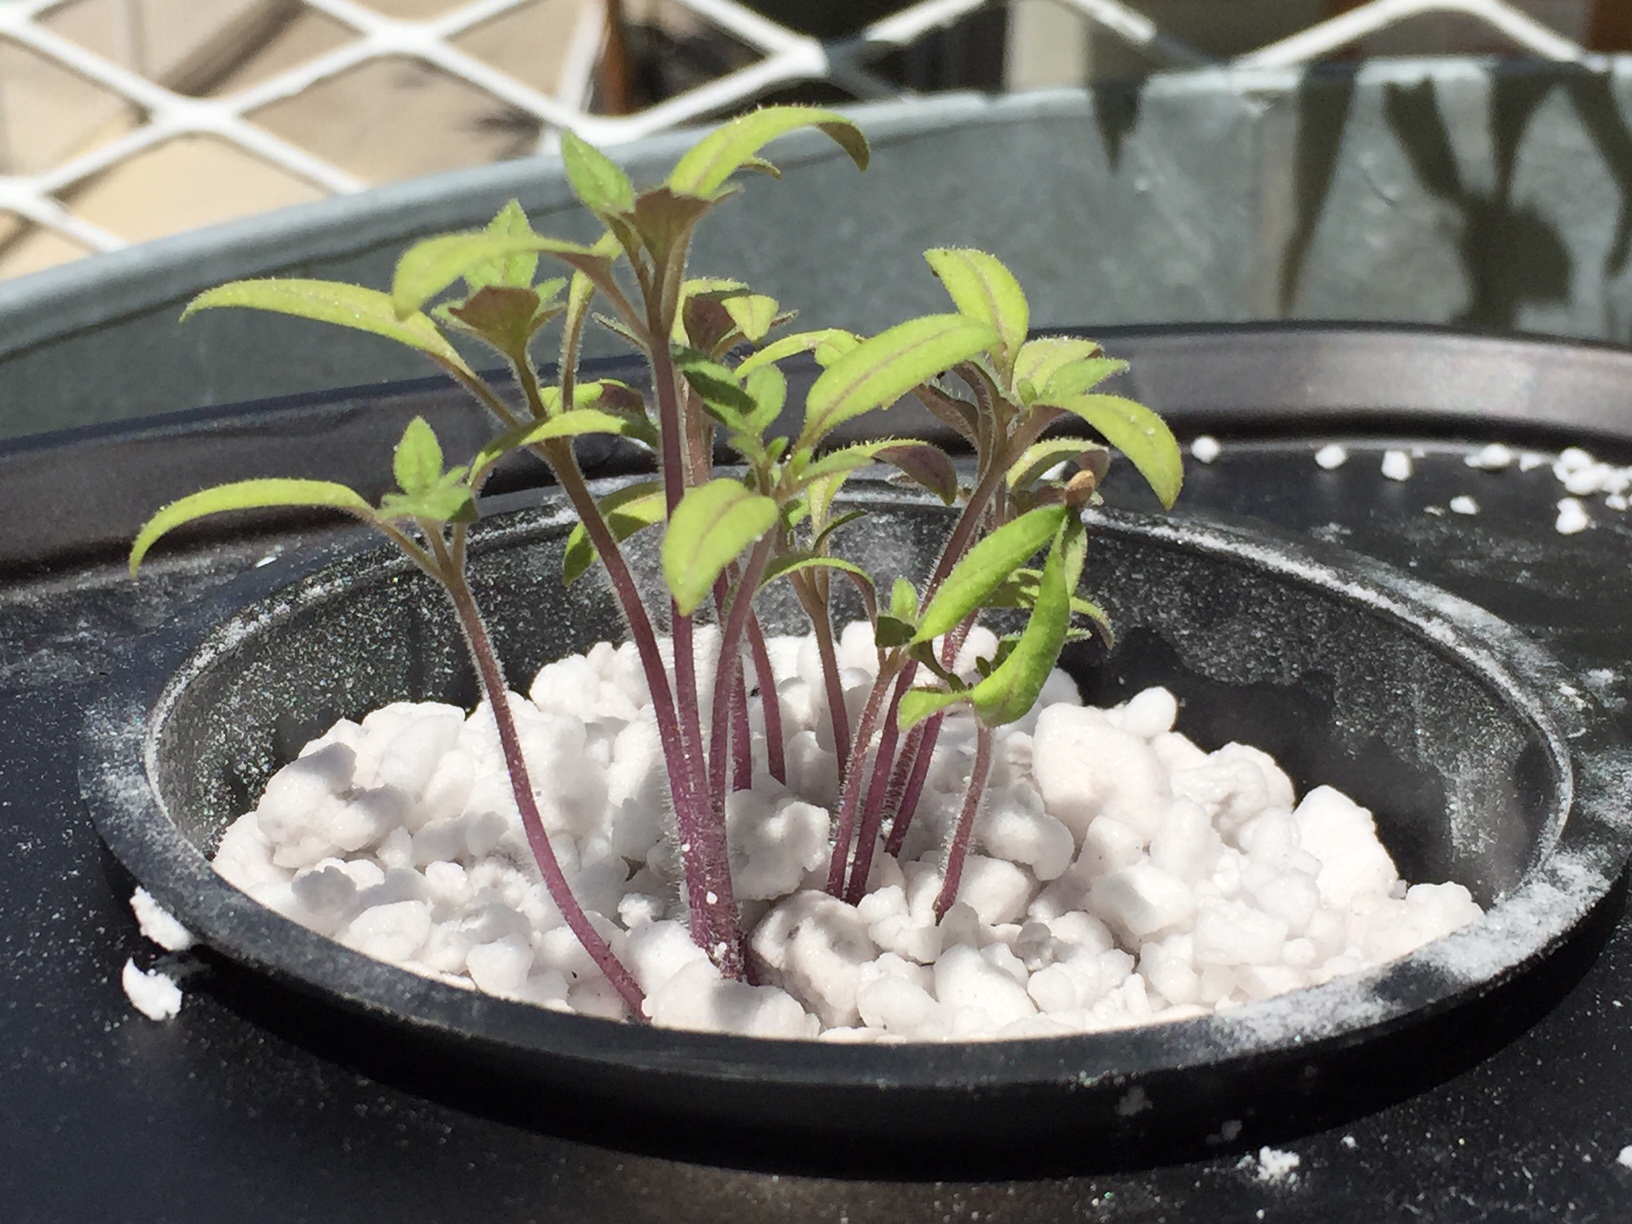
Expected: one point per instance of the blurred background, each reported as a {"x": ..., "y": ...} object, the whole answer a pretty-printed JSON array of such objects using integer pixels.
[{"x": 127, "y": 120}]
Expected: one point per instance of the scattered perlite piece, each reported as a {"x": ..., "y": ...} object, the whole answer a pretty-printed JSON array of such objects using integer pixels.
[
  {"x": 1275, "y": 1165},
  {"x": 1530, "y": 460},
  {"x": 1464, "y": 505},
  {"x": 1572, "y": 517},
  {"x": 1625, "y": 1158},
  {"x": 1205, "y": 449},
  {"x": 1350, "y": 1142},
  {"x": 1491, "y": 458},
  {"x": 157, "y": 923},
  {"x": 154, "y": 994},
  {"x": 1331, "y": 456},
  {"x": 1616, "y": 501},
  {"x": 1436, "y": 511},
  {"x": 1396, "y": 465}
]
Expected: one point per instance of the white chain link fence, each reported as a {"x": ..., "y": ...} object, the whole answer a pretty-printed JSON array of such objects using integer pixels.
[{"x": 122, "y": 120}]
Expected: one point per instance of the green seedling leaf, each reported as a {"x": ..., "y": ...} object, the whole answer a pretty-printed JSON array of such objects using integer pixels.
[
  {"x": 1012, "y": 687},
  {"x": 891, "y": 631},
  {"x": 753, "y": 313},
  {"x": 833, "y": 525},
  {"x": 708, "y": 530},
  {"x": 724, "y": 398},
  {"x": 720, "y": 154},
  {"x": 595, "y": 178},
  {"x": 1077, "y": 377},
  {"x": 987, "y": 566},
  {"x": 925, "y": 465},
  {"x": 1042, "y": 457},
  {"x": 1038, "y": 359},
  {"x": 417, "y": 461},
  {"x": 430, "y": 266},
  {"x": 627, "y": 511},
  {"x": 1139, "y": 434},
  {"x": 878, "y": 371},
  {"x": 333, "y": 302},
  {"x": 904, "y": 601},
  {"x": 507, "y": 271},
  {"x": 804, "y": 560},
  {"x": 665, "y": 219},
  {"x": 769, "y": 390},
  {"x": 829, "y": 345},
  {"x": 245, "y": 495},
  {"x": 983, "y": 289},
  {"x": 448, "y": 501},
  {"x": 919, "y": 703},
  {"x": 563, "y": 425}
]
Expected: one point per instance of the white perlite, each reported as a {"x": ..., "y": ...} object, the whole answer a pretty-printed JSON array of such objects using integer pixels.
[
  {"x": 154, "y": 994},
  {"x": 1625, "y": 1158},
  {"x": 1119, "y": 874},
  {"x": 1397, "y": 465},
  {"x": 1464, "y": 505},
  {"x": 158, "y": 924},
  {"x": 1205, "y": 448},
  {"x": 1331, "y": 456},
  {"x": 1275, "y": 1165}
]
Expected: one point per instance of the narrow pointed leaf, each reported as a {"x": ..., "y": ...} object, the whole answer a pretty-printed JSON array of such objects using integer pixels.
[
  {"x": 1139, "y": 434},
  {"x": 245, "y": 495},
  {"x": 717, "y": 386},
  {"x": 1078, "y": 377},
  {"x": 564, "y": 425},
  {"x": 753, "y": 313},
  {"x": 987, "y": 566},
  {"x": 982, "y": 288},
  {"x": 708, "y": 530},
  {"x": 1039, "y": 358},
  {"x": 417, "y": 461},
  {"x": 595, "y": 178},
  {"x": 1036, "y": 460},
  {"x": 430, "y": 266},
  {"x": 879, "y": 371},
  {"x": 832, "y": 341},
  {"x": 727, "y": 149},
  {"x": 627, "y": 511},
  {"x": 1013, "y": 686},
  {"x": 958, "y": 414},
  {"x": 333, "y": 302},
  {"x": 919, "y": 703},
  {"x": 769, "y": 391},
  {"x": 904, "y": 600}
]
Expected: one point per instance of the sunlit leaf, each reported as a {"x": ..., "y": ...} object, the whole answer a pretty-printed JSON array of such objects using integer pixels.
[
  {"x": 708, "y": 530},
  {"x": 982, "y": 288},
  {"x": 832, "y": 342},
  {"x": 1077, "y": 377},
  {"x": 1042, "y": 457},
  {"x": 505, "y": 271},
  {"x": 564, "y": 425},
  {"x": 727, "y": 149},
  {"x": 904, "y": 600},
  {"x": 333, "y": 302},
  {"x": 769, "y": 391},
  {"x": 1139, "y": 434},
  {"x": 717, "y": 386},
  {"x": 985, "y": 567},
  {"x": 417, "y": 461},
  {"x": 1012, "y": 687},
  {"x": 447, "y": 501},
  {"x": 245, "y": 495},
  {"x": 595, "y": 178},
  {"x": 431, "y": 265},
  {"x": 880, "y": 370},
  {"x": 1039, "y": 358}
]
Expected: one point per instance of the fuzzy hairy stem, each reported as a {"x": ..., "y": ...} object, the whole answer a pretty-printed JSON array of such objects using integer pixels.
[
  {"x": 728, "y": 671},
  {"x": 498, "y": 699},
  {"x": 959, "y": 849},
  {"x": 838, "y": 713},
  {"x": 770, "y": 703},
  {"x": 907, "y": 783},
  {"x": 874, "y": 810},
  {"x": 850, "y": 798}
]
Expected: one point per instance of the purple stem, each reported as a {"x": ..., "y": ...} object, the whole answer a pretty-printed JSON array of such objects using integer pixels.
[
  {"x": 852, "y": 788},
  {"x": 769, "y": 702},
  {"x": 911, "y": 769},
  {"x": 959, "y": 849},
  {"x": 498, "y": 699},
  {"x": 873, "y": 812}
]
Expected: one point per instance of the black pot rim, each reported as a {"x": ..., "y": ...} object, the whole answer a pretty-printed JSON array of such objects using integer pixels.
[{"x": 1589, "y": 843}]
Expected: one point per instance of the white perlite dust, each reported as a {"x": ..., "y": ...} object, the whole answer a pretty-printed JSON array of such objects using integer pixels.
[
  {"x": 1275, "y": 1165},
  {"x": 157, "y": 923},
  {"x": 1331, "y": 456},
  {"x": 154, "y": 994},
  {"x": 1205, "y": 448},
  {"x": 1119, "y": 874}
]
